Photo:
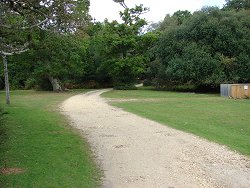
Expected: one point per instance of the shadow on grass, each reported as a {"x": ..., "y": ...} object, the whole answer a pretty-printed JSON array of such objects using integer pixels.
[
  {"x": 185, "y": 89},
  {"x": 3, "y": 135},
  {"x": 3, "y": 142}
]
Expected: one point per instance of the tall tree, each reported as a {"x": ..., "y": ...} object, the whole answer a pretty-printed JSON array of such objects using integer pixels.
[
  {"x": 20, "y": 17},
  {"x": 56, "y": 62},
  {"x": 118, "y": 46},
  {"x": 209, "y": 48}
]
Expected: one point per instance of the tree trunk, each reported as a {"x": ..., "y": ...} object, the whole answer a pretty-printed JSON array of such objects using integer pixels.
[
  {"x": 55, "y": 84},
  {"x": 6, "y": 78}
]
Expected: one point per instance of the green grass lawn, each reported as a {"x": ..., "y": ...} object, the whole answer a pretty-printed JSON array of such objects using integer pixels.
[
  {"x": 225, "y": 121},
  {"x": 38, "y": 140}
]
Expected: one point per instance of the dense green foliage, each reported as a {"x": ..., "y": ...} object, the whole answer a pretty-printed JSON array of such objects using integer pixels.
[
  {"x": 110, "y": 53},
  {"x": 200, "y": 49},
  {"x": 65, "y": 57},
  {"x": 208, "y": 48},
  {"x": 117, "y": 47},
  {"x": 237, "y": 4},
  {"x": 23, "y": 21},
  {"x": 36, "y": 139},
  {"x": 205, "y": 115},
  {"x": 19, "y": 18}
]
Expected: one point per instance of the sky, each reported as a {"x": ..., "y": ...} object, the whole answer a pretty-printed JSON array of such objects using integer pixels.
[{"x": 101, "y": 9}]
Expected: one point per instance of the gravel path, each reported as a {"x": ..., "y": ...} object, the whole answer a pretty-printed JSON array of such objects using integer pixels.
[{"x": 138, "y": 153}]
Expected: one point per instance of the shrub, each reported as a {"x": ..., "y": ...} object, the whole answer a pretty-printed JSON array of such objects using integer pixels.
[
  {"x": 125, "y": 87},
  {"x": 147, "y": 82},
  {"x": 91, "y": 84},
  {"x": 30, "y": 83}
]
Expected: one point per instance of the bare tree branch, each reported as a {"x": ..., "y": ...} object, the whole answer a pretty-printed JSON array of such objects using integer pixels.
[
  {"x": 121, "y": 2},
  {"x": 12, "y": 53},
  {"x": 35, "y": 25},
  {"x": 10, "y": 50}
]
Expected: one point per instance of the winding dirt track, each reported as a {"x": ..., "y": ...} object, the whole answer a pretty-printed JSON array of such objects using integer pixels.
[{"x": 138, "y": 153}]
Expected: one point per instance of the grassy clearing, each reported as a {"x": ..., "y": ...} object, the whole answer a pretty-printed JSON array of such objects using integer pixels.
[
  {"x": 225, "y": 121},
  {"x": 37, "y": 139}
]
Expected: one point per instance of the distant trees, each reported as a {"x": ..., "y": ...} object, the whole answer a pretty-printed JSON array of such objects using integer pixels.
[
  {"x": 108, "y": 52},
  {"x": 237, "y": 4},
  {"x": 207, "y": 48},
  {"x": 204, "y": 48},
  {"x": 119, "y": 47}
]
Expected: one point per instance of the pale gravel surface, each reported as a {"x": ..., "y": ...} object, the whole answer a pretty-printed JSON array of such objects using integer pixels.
[{"x": 135, "y": 152}]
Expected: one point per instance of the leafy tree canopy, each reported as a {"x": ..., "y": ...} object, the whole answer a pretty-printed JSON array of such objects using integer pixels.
[
  {"x": 237, "y": 4},
  {"x": 118, "y": 46},
  {"x": 18, "y": 18},
  {"x": 209, "y": 47}
]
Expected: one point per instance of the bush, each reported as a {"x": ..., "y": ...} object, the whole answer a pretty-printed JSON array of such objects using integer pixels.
[
  {"x": 147, "y": 82},
  {"x": 208, "y": 48},
  {"x": 91, "y": 84},
  {"x": 125, "y": 87},
  {"x": 30, "y": 83}
]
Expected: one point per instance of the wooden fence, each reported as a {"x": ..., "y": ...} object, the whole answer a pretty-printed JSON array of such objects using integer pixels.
[{"x": 236, "y": 91}]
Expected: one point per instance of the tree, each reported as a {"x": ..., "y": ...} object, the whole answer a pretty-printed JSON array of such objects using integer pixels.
[
  {"x": 11, "y": 41},
  {"x": 118, "y": 47},
  {"x": 237, "y": 4},
  {"x": 208, "y": 48},
  {"x": 54, "y": 62},
  {"x": 60, "y": 57},
  {"x": 20, "y": 17},
  {"x": 177, "y": 19},
  {"x": 121, "y": 2},
  {"x": 182, "y": 16}
]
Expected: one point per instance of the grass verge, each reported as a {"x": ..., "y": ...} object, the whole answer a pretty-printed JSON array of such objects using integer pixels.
[
  {"x": 225, "y": 121},
  {"x": 38, "y": 148}
]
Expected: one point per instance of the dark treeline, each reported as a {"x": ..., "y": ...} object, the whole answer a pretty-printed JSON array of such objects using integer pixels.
[
  {"x": 206, "y": 48},
  {"x": 200, "y": 49}
]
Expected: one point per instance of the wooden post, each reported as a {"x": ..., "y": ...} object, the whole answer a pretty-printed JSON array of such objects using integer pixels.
[{"x": 6, "y": 78}]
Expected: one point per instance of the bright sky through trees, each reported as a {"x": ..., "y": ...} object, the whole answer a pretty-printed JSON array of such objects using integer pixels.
[{"x": 101, "y": 9}]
